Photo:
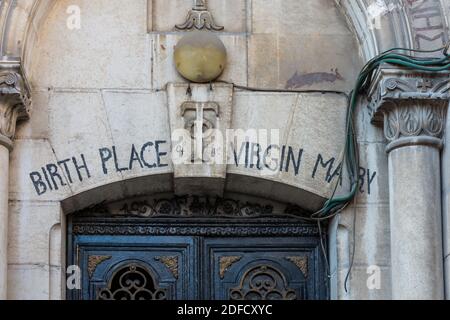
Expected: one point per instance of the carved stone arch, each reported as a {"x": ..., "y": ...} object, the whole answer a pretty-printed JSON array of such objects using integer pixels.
[
  {"x": 20, "y": 21},
  {"x": 413, "y": 24},
  {"x": 391, "y": 30}
]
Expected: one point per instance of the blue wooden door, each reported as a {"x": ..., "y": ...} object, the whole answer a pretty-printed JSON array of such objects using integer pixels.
[
  {"x": 195, "y": 248},
  {"x": 198, "y": 267},
  {"x": 136, "y": 267},
  {"x": 271, "y": 268}
]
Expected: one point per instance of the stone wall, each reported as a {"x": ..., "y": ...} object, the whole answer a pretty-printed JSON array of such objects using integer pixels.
[{"x": 105, "y": 85}]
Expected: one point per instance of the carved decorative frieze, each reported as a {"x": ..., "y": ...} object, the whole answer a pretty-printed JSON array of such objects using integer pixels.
[
  {"x": 199, "y": 18},
  {"x": 171, "y": 263},
  {"x": 94, "y": 261},
  {"x": 301, "y": 263},
  {"x": 15, "y": 101},
  {"x": 225, "y": 263},
  {"x": 195, "y": 207},
  {"x": 411, "y": 106},
  {"x": 202, "y": 230}
]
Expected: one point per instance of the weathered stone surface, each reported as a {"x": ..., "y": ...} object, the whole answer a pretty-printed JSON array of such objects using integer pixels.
[
  {"x": 28, "y": 282},
  {"x": 30, "y": 156},
  {"x": 283, "y": 47},
  {"x": 37, "y": 127},
  {"x": 86, "y": 122},
  {"x": 31, "y": 222},
  {"x": 373, "y": 174},
  {"x": 416, "y": 223},
  {"x": 106, "y": 67},
  {"x": 309, "y": 127},
  {"x": 293, "y": 17},
  {"x": 119, "y": 58},
  {"x": 135, "y": 119},
  {"x": 372, "y": 233}
]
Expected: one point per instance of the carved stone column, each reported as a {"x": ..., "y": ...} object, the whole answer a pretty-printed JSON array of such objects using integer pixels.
[
  {"x": 412, "y": 109},
  {"x": 14, "y": 106}
]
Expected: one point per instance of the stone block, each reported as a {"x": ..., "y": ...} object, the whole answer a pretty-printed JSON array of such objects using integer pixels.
[
  {"x": 80, "y": 58},
  {"x": 373, "y": 174},
  {"x": 28, "y": 282},
  {"x": 291, "y": 61},
  {"x": 29, "y": 157},
  {"x": 319, "y": 17},
  {"x": 358, "y": 288},
  {"x": 372, "y": 238},
  {"x": 30, "y": 223},
  {"x": 83, "y": 132},
  {"x": 37, "y": 127},
  {"x": 139, "y": 125},
  {"x": 309, "y": 140}
]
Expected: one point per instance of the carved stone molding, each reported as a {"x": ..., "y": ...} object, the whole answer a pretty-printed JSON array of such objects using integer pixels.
[
  {"x": 411, "y": 106},
  {"x": 195, "y": 207},
  {"x": 199, "y": 18},
  {"x": 15, "y": 101}
]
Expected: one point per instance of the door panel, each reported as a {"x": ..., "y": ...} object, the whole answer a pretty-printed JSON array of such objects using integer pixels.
[
  {"x": 123, "y": 267},
  {"x": 197, "y": 267},
  {"x": 261, "y": 269}
]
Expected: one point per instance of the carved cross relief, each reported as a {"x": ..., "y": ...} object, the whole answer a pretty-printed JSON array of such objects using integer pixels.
[
  {"x": 200, "y": 119},
  {"x": 199, "y": 122}
]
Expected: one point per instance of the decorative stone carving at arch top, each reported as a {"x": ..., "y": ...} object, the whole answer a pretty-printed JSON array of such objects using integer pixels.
[{"x": 199, "y": 18}]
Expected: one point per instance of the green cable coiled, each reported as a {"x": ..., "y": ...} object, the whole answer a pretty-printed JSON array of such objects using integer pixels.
[{"x": 351, "y": 155}]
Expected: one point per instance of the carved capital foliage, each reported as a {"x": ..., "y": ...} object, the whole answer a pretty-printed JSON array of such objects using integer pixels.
[
  {"x": 15, "y": 101},
  {"x": 412, "y": 107},
  {"x": 415, "y": 118}
]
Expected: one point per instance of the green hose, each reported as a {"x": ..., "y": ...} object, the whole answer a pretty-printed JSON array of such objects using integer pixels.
[{"x": 351, "y": 155}]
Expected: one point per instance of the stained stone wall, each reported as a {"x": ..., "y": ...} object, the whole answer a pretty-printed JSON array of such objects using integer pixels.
[{"x": 105, "y": 86}]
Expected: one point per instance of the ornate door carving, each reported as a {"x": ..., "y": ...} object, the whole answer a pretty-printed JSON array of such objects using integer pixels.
[
  {"x": 268, "y": 268},
  {"x": 206, "y": 252}
]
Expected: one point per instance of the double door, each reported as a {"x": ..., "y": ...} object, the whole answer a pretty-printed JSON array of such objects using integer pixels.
[{"x": 115, "y": 267}]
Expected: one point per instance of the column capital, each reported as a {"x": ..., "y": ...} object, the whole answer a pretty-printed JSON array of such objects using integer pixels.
[
  {"x": 15, "y": 100},
  {"x": 411, "y": 106}
]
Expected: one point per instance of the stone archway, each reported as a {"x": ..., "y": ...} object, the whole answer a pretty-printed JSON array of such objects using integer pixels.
[{"x": 412, "y": 24}]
